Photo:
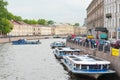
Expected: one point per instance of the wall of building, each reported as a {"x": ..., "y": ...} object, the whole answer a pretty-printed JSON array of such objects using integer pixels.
[
  {"x": 112, "y": 18},
  {"x": 95, "y": 14},
  {"x": 46, "y": 30}
]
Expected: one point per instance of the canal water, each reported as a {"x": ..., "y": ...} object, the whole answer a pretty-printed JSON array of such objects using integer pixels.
[{"x": 35, "y": 62}]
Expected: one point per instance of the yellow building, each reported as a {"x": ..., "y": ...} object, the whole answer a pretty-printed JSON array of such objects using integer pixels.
[
  {"x": 21, "y": 29},
  {"x": 46, "y": 30},
  {"x": 63, "y": 29},
  {"x": 36, "y": 29}
]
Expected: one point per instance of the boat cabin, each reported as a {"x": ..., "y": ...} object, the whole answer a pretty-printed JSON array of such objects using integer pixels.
[
  {"x": 57, "y": 44},
  {"x": 87, "y": 63},
  {"x": 65, "y": 51}
]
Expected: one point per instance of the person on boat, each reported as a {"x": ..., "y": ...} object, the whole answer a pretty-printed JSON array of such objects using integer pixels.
[{"x": 38, "y": 40}]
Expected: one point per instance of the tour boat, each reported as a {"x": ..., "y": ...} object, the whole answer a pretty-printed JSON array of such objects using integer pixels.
[
  {"x": 65, "y": 51},
  {"x": 87, "y": 65},
  {"x": 57, "y": 44},
  {"x": 24, "y": 41}
]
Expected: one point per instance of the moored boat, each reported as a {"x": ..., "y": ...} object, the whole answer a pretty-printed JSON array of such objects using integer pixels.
[
  {"x": 87, "y": 65},
  {"x": 57, "y": 44},
  {"x": 60, "y": 52},
  {"x": 24, "y": 41}
]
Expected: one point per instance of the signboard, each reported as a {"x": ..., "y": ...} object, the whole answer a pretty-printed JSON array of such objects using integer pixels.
[
  {"x": 115, "y": 52},
  {"x": 103, "y": 35}
]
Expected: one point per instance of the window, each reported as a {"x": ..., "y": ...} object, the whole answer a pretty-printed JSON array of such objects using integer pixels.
[
  {"x": 84, "y": 67},
  {"x": 104, "y": 66}
]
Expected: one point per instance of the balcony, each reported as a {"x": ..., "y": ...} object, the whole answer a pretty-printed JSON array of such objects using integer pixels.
[{"x": 108, "y": 15}]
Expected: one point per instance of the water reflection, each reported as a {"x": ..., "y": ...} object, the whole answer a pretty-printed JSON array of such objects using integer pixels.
[{"x": 32, "y": 62}]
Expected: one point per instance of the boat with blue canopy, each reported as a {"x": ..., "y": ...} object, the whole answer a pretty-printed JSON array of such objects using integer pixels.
[{"x": 24, "y": 41}]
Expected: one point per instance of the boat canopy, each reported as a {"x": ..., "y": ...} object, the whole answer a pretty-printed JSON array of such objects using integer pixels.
[
  {"x": 68, "y": 49},
  {"x": 87, "y": 60}
]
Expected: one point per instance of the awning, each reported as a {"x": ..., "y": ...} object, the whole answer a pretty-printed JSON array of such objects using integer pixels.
[
  {"x": 101, "y": 29},
  {"x": 103, "y": 35}
]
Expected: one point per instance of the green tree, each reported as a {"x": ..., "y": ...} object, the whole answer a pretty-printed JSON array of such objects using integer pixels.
[
  {"x": 6, "y": 26},
  {"x": 17, "y": 18},
  {"x": 76, "y": 24},
  {"x": 50, "y": 22},
  {"x": 10, "y": 16},
  {"x": 30, "y": 21},
  {"x": 3, "y": 10},
  {"x": 42, "y": 22}
]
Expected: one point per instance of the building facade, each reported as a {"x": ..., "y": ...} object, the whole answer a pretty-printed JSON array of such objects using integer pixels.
[
  {"x": 80, "y": 30},
  {"x": 46, "y": 30},
  {"x": 112, "y": 18},
  {"x": 63, "y": 29},
  {"x": 95, "y": 16},
  {"x": 21, "y": 29}
]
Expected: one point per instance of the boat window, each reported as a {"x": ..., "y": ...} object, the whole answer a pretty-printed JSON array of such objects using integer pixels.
[
  {"x": 84, "y": 67},
  {"x": 105, "y": 66},
  {"x": 77, "y": 65},
  {"x": 94, "y": 67}
]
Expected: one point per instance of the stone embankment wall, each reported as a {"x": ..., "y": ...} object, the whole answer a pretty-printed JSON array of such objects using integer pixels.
[
  {"x": 9, "y": 39},
  {"x": 115, "y": 61}
]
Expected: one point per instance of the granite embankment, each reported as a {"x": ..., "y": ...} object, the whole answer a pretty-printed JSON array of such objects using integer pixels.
[{"x": 9, "y": 39}]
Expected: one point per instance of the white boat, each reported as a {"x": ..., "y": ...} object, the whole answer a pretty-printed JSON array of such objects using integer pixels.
[
  {"x": 57, "y": 44},
  {"x": 87, "y": 65},
  {"x": 60, "y": 52}
]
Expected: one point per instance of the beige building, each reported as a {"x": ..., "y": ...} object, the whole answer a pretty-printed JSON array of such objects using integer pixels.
[
  {"x": 46, "y": 30},
  {"x": 63, "y": 29},
  {"x": 21, "y": 29},
  {"x": 83, "y": 30},
  {"x": 36, "y": 30},
  {"x": 80, "y": 30}
]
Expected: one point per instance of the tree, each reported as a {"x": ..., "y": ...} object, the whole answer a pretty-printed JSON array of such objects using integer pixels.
[
  {"x": 30, "y": 21},
  {"x": 50, "y": 22},
  {"x": 76, "y": 24},
  {"x": 10, "y": 16},
  {"x": 17, "y": 18},
  {"x": 42, "y": 22},
  {"x": 3, "y": 10},
  {"x": 5, "y": 26}
]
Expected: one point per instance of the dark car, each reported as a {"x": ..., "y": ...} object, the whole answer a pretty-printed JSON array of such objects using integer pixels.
[{"x": 116, "y": 44}]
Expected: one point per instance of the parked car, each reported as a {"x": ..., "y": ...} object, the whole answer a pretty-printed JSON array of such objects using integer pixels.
[
  {"x": 76, "y": 39},
  {"x": 115, "y": 44}
]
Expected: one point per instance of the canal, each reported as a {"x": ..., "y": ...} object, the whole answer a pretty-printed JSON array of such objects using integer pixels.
[{"x": 35, "y": 62}]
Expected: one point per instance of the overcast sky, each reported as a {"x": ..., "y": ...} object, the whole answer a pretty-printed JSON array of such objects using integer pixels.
[{"x": 65, "y": 11}]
